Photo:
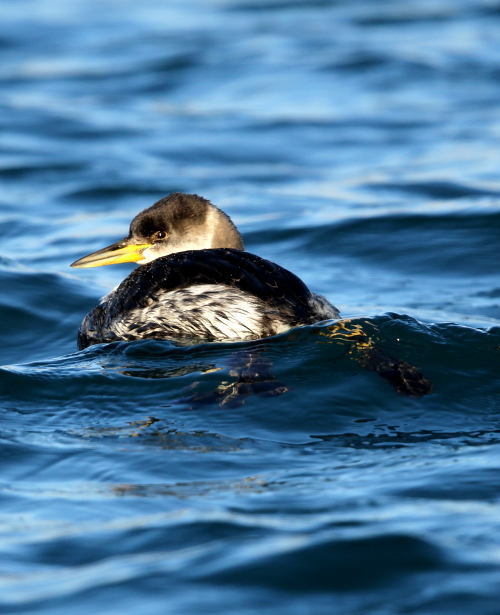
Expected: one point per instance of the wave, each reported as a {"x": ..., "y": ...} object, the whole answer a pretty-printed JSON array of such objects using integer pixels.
[{"x": 312, "y": 377}]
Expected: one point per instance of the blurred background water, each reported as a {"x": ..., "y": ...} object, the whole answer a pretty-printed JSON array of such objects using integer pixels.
[{"x": 356, "y": 143}]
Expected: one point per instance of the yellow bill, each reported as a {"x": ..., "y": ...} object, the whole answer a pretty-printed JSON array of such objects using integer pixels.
[{"x": 119, "y": 252}]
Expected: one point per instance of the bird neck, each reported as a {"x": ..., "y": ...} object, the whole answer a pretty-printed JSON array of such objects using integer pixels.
[{"x": 220, "y": 231}]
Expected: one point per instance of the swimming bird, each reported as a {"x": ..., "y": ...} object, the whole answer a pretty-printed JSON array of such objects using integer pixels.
[{"x": 195, "y": 281}]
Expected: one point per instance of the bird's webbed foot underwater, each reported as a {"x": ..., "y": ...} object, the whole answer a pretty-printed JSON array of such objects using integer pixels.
[
  {"x": 403, "y": 377},
  {"x": 253, "y": 376}
]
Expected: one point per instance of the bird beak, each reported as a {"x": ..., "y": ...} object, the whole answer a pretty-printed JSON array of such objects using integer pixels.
[{"x": 120, "y": 252}]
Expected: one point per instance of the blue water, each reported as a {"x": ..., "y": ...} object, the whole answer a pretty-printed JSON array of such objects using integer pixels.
[{"x": 356, "y": 143}]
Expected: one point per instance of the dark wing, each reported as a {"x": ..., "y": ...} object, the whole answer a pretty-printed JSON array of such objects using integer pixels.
[{"x": 271, "y": 283}]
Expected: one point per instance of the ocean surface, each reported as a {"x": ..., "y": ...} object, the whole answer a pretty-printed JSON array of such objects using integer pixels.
[{"x": 356, "y": 143}]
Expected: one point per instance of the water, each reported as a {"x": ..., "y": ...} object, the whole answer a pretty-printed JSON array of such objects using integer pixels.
[{"x": 354, "y": 143}]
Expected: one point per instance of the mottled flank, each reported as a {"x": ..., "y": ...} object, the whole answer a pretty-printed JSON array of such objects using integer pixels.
[{"x": 220, "y": 294}]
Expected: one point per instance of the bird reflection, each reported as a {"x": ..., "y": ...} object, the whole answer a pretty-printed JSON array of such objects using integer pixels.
[
  {"x": 253, "y": 374},
  {"x": 160, "y": 373},
  {"x": 250, "y": 370}
]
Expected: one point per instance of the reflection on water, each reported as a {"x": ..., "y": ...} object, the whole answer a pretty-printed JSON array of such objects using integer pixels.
[
  {"x": 164, "y": 436},
  {"x": 138, "y": 372},
  {"x": 251, "y": 484}
]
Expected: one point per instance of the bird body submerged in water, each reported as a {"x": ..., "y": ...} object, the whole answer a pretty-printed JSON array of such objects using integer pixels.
[{"x": 195, "y": 282}]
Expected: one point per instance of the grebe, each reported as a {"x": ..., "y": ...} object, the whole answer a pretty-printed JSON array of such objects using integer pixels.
[{"x": 195, "y": 282}]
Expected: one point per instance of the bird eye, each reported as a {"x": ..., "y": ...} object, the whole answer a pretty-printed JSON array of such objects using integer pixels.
[{"x": 159, "y": 235}]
